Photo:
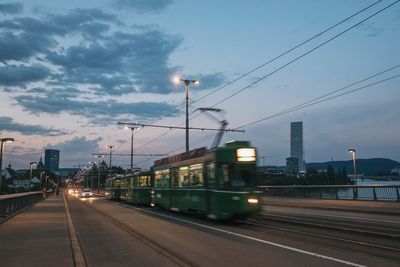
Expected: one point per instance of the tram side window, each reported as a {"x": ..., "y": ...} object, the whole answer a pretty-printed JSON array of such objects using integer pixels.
[
  {"x": 224, "y": 172},
  {"x": 162, "y": 178},
  {"x": 175, "y": 177},
  {"x": 183, "y": 174},
  {"x": 142, "y": 181},
  {"x": 124, "y": 183},
  {"x": 211, "y": 174},
  {"x": 196, "y": 175}
]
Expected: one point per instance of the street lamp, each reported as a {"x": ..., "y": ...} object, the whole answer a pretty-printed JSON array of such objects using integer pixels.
[
  {"x": 353, "y": 153},
  {"x": 132, "y": 129},
  {"x": 98, "y": 172},
  {"x": 91, "y": 179},
  {"x": 30, "y": 170},
  {"x": 110, "y": 147},
  {"x": 2, "y": 141},
  {"x": 41, "y": 180},
  {"x": 187, "y": 82}
]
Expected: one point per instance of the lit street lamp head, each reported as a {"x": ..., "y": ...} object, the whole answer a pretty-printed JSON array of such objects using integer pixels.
[
  {"x": 7, "y": 140},
  {"x": 176, "y": 80},
  {"x": 351, "y": 150}
]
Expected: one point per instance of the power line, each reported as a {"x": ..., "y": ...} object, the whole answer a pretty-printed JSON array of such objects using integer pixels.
[
  {"x": 285, "y": 65},
  {"x": 259, "y": 67},
  {"x": 276, "y": 58},
  {"x": 290, "y": 50},
  {"x": 178, "y": 127},
  {"x": 304, "y": 54},
  {"x": 322, "y": 99}
]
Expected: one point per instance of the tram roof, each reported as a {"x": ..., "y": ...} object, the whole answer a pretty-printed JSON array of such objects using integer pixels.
[{"x": 195, "y": 153}]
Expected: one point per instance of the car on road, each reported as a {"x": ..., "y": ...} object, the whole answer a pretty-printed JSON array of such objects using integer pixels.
[{"x": 86, "y": 192}]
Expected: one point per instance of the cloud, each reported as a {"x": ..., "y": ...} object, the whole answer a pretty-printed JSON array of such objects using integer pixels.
[
  {"x": 142, "y": 6},
  {"x": 7, "y": 124},
  {"x": 21, "y": 75},
  {"x": 77, "y": 144},
  {"x": 122, "y": 63},
  {"x": 24, "y": 45},
  {"x": 107, "y": 61},
  {"x": 370, "y": 29},
  {"x": 12, "y": 8},
  {"x": 76, "y": 151},
  {"x": 57, "y": 102}
]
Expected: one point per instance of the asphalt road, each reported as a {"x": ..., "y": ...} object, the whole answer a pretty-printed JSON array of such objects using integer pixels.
[{"x": 112, "y": 234}]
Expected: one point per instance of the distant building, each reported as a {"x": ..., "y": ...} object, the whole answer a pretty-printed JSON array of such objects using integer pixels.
[
  {"x": 52, "y": 159},
  {"x": 40, "y": 166},
  {"x": 296, "y": 147},
  {"x": 15, "y": 182},
  {"x": 292, "y": 165}
]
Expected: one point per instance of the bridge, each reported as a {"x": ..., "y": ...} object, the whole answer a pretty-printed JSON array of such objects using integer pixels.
[{"x": 66, "y": 230}]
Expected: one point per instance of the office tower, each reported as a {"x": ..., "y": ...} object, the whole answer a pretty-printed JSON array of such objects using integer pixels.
[
  {"x": 296, "y": 144},
  {"x": 51, "y": 159}
]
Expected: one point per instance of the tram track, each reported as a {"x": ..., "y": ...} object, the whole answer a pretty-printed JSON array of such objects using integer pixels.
[
  {"x": 375, "y": 244},
  {"x": 379, "y": 232},
  {"x": 177, "y": 259}
]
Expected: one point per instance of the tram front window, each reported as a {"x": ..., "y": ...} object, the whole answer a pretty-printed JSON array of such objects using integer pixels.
[{"x": 237, "y": 176}]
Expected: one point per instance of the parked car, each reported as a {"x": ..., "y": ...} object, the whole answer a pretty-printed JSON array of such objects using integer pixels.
[{"x": 86, "y": 192}]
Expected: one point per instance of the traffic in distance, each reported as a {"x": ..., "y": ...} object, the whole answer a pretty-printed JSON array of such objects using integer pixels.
[{"x": 219, "y": 183}]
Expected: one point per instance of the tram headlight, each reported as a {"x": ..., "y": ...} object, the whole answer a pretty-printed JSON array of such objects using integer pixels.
[
  {"x": 252, "y": 200},
  {"x": 246, "y": 154}
]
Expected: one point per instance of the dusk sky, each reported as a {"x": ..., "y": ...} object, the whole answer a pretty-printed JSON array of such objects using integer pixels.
[{"x": 71, "y": 70}]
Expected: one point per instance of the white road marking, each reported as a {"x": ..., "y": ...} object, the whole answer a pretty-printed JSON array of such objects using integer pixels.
[{"x": 256, "y": 239}]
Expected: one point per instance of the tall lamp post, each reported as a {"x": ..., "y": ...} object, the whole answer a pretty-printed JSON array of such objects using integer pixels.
[
  {"x": 187, "y": 82},
  {"x": 41, "y": 180},
  {"x": 111, "y": 148},
  {"x": 353, "y": 154},
  {"x": 91, "y": 179},
  {"x": 132, "y": 129},
  {"x": 30, "y": 172},
  {"x": 98, "y": 172},
  {"x": 2, "y": 141}
]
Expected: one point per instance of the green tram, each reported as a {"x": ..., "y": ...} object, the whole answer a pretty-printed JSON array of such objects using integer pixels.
[
  {"x": 113, "y": 187},
  {"x": 133, "y": 187},
  {"x": 219, "y": 183},
  {"x": 136, "y": 187}
]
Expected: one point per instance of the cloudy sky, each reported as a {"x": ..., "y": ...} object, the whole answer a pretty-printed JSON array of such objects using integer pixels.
[{"x": 71, "y": 70}]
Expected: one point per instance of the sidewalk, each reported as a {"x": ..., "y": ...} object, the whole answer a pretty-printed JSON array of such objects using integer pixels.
[
  {"x": 382, "y": 207},
  {"x": 38, "y": 236}
]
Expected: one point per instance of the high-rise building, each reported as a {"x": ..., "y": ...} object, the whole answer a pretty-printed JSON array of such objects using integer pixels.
[
  {"x": 52, "y": 159},
  {"x": 296, "y": 144}
]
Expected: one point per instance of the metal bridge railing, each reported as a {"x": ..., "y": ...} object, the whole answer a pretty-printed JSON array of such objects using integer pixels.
[
  {"x": 355, "y": 192},
  {"x": 13, "y": 203}
]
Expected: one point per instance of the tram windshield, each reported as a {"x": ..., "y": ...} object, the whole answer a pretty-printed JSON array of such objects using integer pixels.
[{"x": 236, "y": 176}]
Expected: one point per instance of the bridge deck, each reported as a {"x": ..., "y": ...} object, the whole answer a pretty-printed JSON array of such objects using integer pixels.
[{"x": 41, "y": 233}]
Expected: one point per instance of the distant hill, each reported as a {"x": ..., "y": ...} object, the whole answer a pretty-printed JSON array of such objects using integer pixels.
[{"x": 364, "y": 166}]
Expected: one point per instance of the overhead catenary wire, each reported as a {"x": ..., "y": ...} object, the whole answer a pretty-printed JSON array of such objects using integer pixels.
[
  {"x": 304, "y": 54},
  {"x": 309, "y": 103},
  {"x": 320, "y": 100},
  {"x": 275, "y": 58},
  {"x": 287, "y": 64}
]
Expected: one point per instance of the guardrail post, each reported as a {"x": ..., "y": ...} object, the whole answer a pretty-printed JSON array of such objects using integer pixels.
[
  {"x": 398, "y": 193},
  {"x": 337, "y": 192},
  {"x": 374, "y": 193},
  {"x": 355, "y": 193}
]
